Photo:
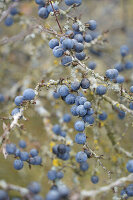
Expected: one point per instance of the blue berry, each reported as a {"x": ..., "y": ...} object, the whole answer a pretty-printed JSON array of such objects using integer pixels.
[
  {"x": 34, "y": 187},
  {"x": 53, "y": 43},
  {"x": 131, "y": 89},
  {"x": 62, "y": 38},
  {"x": 85, "y": 83},
  {"x": 84, "y": 166},
  {"x": 120, "y": 79},
  {"x": 10, "y": 148},
  {"x": 69, "y": 2},
  {"x": 63, "y": 91},
  {"x": 2, "y": 98},
  {"x": 92, "y": 65},
  {"x": 67, "y": 44},
  {"x": 119, "y": 67},
  {"x": 52, "y": 175},
  {"x": 90, "y": 112},
  {"x": 80, "y": 138},
  {"x": 22, "y": 144},
  {"x": 63, "y": 191},
  {"x": 32, "y": 161},
  {"x": 29, "y": 94},
  {"x": 78, "y": 2},
  {"x": 80, "y": 56},
  {"x": 81, "y": 111},
  {"x": 124, "y": 194},
  {"x": 3, "y": 195},
  {"x": 40, "y": 2},
  {"x": 82, "y": 100},
  {"x": 88, "y": 38},
  {"x": 55, "y": 149},
  {"x": 70, "y": 99},
  {"x": 87, "y": 105},
  {"x": 128, "y": 65},
  {"x": 129, "y": 166},
  {"x": 94, "y": 35},
  {"x": 101, "y": 90},
  {"x": 33, "y": 152},
  {"x": 75, "y": 26},
  {"x": 58, "y": 51},
  {"x": 77, "y": 100},
  {"x": 9, "y": 21},
  {"x": 59, "y": 175},
  {"x": 63, "y": 134},
  {"x": 64, "y": 156},
  {"x": 18, "y": 100},
  {"x": 79, "y": 126},
  {"x": 131, "y": 105},
  {"x": 56, "y": 95},
  {"x": 89, "y": 119},
  {"x": 78, "y": 47},
  {"x": 103, "y": 116},
  {"x": 81, "y": 157},
  {"x": 17, "y": 152},
  {"x": 94, "y": 179},
  {"x": 92, "y": 25},
  {"x": 111, "y": 73},
  {"x": 14, "y": 11},
  {"x": 73, "y": 110},
  {"x": 53, "y": 195},
  {"x": 121, "y": 114},
  {"x": 56, "y": 129},
  {"x": 43, "y": 13},
  {"x": 18, "y": 164},
  {"x": 129, "y": 190},
  {"x": 15, "y": 111},
  {"x": 124, "y": 50},
  {"x": 38, "y": 160},
  {"x": 75, "y": 85},
  {"x": 67, "y": 118},
  {"x": 79, "y": 38},
  {"x": 66, "y": 60},
  {"x": 62, "y": 148},
  {"x": 24, "y": 156}
]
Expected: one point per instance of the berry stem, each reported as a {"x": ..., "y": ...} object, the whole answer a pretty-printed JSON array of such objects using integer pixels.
[{"x": 56, "y": 16}]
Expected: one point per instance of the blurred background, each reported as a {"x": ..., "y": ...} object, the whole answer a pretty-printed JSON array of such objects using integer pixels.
[{"x": 26, "y": 61}]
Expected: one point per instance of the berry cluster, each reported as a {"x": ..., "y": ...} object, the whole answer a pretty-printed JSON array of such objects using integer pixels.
[
  {"x": 73, "y": 43},
  {"x": 62, "y": 151},
  {"x": 32, "y": 158}
]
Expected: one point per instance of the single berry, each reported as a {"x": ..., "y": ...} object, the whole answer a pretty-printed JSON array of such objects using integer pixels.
[
  {"x": 79, "y": 126},
  {"x": 29, "y": 94}
]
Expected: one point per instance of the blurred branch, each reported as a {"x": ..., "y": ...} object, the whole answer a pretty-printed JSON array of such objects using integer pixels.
[
  {"x": 23, "y": 191},
  {"x": 118, "y": 182},
  {"x": 7, "y": 12},
  {"x": 17, "y": 37}
]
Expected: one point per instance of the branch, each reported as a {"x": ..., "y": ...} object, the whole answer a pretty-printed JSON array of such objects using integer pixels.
[
  {"x": 6, "y": 12},
  {"x": 94, "y": 193},
  {"x": 23, "y": 191}
]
